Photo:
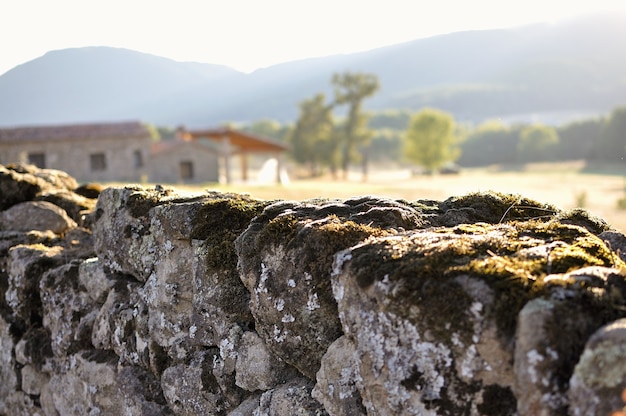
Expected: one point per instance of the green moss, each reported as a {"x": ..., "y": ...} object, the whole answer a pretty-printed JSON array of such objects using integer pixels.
[
  {"x": 142, "y": 200},
  {"x": 496, "y": 207},
  {"x": 281, "y": 229},
  {"x": 424, "y": 267},
  {"x": 219, "y": 222}
]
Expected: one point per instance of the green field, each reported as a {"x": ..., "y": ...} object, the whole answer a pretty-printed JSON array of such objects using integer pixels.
[{"x": 565, "y": 185}]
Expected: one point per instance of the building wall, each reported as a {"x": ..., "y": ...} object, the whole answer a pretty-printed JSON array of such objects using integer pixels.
[
  {"x": 167, "y": 166},
  {"x": 125, "y": 159}
]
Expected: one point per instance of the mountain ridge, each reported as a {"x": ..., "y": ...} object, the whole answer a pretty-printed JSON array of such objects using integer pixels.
[{"x": 572, "y": 67}]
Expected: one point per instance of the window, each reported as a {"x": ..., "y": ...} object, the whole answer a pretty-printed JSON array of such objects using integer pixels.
[
  {"x": 98, "y": 162},
  {"x": 137, "y": 159},
  {"x": 186, "y": 170},
  {"x": 37, "y": 159}
]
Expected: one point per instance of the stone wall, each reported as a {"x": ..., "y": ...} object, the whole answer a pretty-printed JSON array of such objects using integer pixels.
[{"x": 152, "y": 302}]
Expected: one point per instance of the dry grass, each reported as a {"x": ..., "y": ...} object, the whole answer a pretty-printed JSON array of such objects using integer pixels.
[{"x": 563, "y": 185}]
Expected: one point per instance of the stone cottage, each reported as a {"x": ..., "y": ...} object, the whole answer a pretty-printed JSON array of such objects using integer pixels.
[
  {"x": 90, "y": 152},
  {"x": 126, "y": 152}
]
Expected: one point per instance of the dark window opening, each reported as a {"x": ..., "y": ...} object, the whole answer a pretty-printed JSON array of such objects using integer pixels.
[
  {"x": 186, "y": 170},
  {"x": 37, "y": 159},
  {"x": 137, "y": 159},
  {"x": 98, "y": 162}
]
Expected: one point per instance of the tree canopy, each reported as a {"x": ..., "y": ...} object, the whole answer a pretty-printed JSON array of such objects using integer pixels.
[
  {"x": 431, "y": 140},
  {"x": 537, "y": 142},
  {"x": 351, "y": 89},
  {"x": 312, "y": 137}
]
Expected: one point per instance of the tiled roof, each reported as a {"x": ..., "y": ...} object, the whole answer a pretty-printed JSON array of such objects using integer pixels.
[{"x": 74, "y": 131}]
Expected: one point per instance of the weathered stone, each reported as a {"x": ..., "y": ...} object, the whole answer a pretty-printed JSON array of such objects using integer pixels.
[
  {"x": 33, "y": 380},
  {"x": 616, "y": 241},
  {"x": 10, "y": 239},
  {"x": 552, "y": 332},
  {"x": 88, "y": 387},
  {"x": 21, "y": 404},
  {"x": 600, "y": 376},
  {"x": 433, "y": 314},
  {"x": 285, "y": 260},
  {"x": 8, "y": 378},
  {"x": 96, "y": 282},
  {"x": 291, "y": 398},
  {"x": 57, "y": 178},
  {"x": 142, "y": 392},
  {"x": 193, "y": 388},
  {"x": 336, "y": 380},
  {"x": 121, "y": 324},
  {"x": 34, "y": 348},
  {"x": 16, "y": 187},
  {"x": 68, "y": 310},
  {"x": 26, "y": 265},
  {"x": 257, "y": 368},
  {"x": 37, "y": 216},
  {"x": 480, "y": 305},
  {"x": 75, "y": 205},
  {"x": 247, "y": 407}
]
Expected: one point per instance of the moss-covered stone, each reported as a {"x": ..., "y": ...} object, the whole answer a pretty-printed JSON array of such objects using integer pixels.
[
  {"x": 513, "y": 259},
  {"x": 218, "y": 222}
]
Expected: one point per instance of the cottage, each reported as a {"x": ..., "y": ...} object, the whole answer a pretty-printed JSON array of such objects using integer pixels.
[
  {"x": 126, "y": 152},
  {"x": 102, "y": 152},
  {"x": 233, "y": 142}
]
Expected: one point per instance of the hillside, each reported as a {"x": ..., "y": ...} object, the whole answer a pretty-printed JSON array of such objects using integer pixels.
[{"x": 549, "y": 71}]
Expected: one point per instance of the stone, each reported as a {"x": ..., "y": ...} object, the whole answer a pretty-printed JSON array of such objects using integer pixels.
[
  {"x": 433, "y": 315},
  {"x": 26, "y": 265},
  {"x": 291, "y": 398},
  {"x": 16, "y": 187},
  {"x": 164, "y": 303},
  {"x": 8, "y": 378},
  {"x": 142, "y": 392},
  {"x": 616, "y": 241},
  {"x": 599, "y": 378},
  {"x": 33, "y": 380},
  {"x": 34, "y": 348},
  {"x": 193, "y": 388},
  {"x": 285, "y": 260},
  {"x": 336, "y": 385},
  {"x": 553, "y": 330},
  {"x": 68, "y": 310},
  {"x": 257, "y": 368},
  {"x": 57, "y": 178},
  {"x": 95, "y": 281},
  {"x": 76, "y": 206},
  {"x": 88, "y": 387},
  {"x": 37, "y": 216},
  {"x": 121, "y": 324}
]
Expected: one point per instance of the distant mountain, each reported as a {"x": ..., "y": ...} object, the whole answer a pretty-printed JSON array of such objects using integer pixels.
[{"x": 542, "y": 71}]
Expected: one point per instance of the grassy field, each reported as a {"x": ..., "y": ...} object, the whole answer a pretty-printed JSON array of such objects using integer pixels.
[{"x": 564, "y": 185}]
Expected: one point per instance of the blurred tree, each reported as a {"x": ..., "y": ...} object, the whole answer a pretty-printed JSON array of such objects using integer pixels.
[
  {"x": 537, "y": 143},
  {"x": 268, "y": 128},
  {"x": 390, "y": 119},
  {"x": 430, "y": 139},
  {"x": 490, "y": 143},
  {"x": 351, "y": 89},
  {"x": 612, "y": 146},
  {"x": 578, "y": 140},
  {"x": 313, "y": 140}
]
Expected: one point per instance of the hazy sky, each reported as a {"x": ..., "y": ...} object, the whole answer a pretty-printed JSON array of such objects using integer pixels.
[{"x": 250, "y": 34}]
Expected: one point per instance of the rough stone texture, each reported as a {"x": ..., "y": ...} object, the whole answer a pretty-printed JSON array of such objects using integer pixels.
[
  {"x": 36, "y": 216},
  {"x": 160, "y": 303},
  {"x": 433, "y": 316},
  {"x": 257, "y": 368},
  {"x": 336, "y": 380},
  {"x": 285, "y": 260},
  {"x": 598, "y": 381}
]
